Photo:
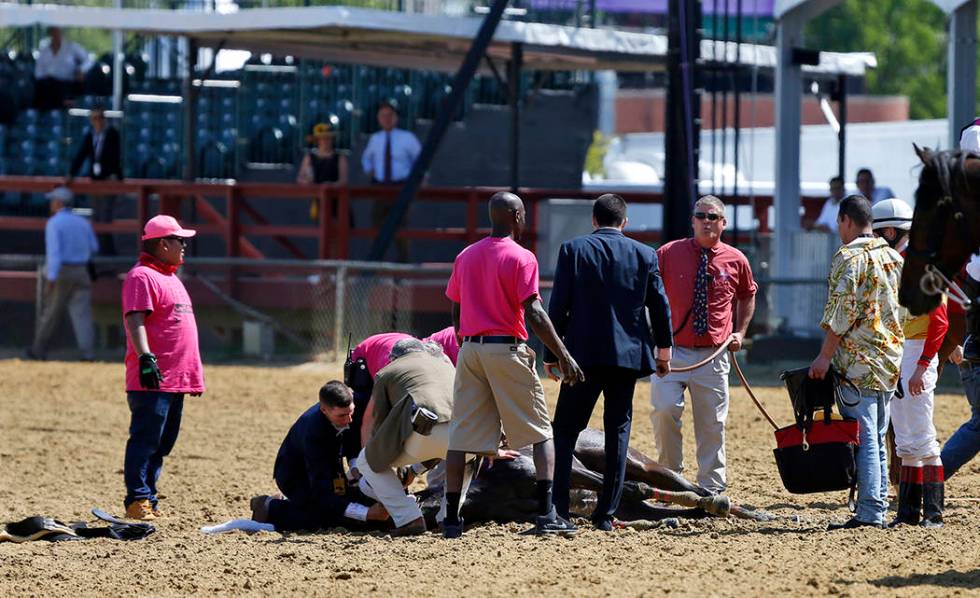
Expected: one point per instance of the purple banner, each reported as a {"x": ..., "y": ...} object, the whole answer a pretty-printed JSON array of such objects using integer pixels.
[{"x": 750, "y": 8}]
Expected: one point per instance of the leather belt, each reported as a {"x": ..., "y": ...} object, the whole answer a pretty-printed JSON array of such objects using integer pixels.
[{"x": 492, "y": 340}]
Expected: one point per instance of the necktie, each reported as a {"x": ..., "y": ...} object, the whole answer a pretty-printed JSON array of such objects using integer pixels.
[
  {"x": 387, "y": 172},
  {"x": 701, "y": 295}
]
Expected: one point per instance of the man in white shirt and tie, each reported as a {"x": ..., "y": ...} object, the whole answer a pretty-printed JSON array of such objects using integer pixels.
[{"x": 388, "y": 159}]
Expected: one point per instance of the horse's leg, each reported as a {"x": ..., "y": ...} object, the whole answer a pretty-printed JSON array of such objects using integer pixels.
[
  {"x": 642, "y": 468},
  {"x": 583, "y": 477},
  {"x": 590, "y": 450}
]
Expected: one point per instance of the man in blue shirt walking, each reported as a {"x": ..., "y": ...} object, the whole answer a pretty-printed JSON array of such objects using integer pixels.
[{"x": 69, "y": 244}]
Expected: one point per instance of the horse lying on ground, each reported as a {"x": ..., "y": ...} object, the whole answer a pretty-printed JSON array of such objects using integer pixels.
[{"x": 505, "y": 491}]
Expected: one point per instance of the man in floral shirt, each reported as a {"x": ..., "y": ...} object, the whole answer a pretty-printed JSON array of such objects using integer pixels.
[{"x": 864, "y": 342}]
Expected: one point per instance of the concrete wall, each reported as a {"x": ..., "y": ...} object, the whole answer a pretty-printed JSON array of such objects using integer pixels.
[{"x": 642, "y": 110}]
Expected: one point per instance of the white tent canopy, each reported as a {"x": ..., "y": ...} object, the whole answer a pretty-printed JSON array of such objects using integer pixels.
[{"x": 407, "y": 40}]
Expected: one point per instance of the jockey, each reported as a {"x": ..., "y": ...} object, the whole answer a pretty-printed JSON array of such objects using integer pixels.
[{"x": 921, "y": 484}]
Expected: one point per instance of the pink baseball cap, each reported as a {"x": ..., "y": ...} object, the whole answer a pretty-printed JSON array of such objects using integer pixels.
[{"x": 165, "y": 226}]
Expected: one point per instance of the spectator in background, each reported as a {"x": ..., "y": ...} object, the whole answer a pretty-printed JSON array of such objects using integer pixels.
[
  {"x": 827, "y": 221},
  {"x": 322, "y": 164},
  {"x": 59, "y": 71},
  {"x": 388, "y": 159},
  {"x": 69, "y": 244},
  {"x": 102, "y": 150},
  {"x": 865, "y": 182}
]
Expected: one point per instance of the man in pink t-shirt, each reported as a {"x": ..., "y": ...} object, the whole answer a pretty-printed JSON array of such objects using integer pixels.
[
  {"x": 163, "y": 362},
  {"x": 375, "y": 352},
  {"x": 494, "y": 282},
  {"x": 446, "y": 338}
]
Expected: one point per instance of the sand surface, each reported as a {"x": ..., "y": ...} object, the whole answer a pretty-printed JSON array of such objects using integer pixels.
[{"x": 63, "y": 428}]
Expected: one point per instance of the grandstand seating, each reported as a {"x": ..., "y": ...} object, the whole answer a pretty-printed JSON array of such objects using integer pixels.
[{"x": 261, "y": 115}]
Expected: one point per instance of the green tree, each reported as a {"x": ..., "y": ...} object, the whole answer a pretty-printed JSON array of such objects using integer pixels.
[{"x": 907, "y": 36}]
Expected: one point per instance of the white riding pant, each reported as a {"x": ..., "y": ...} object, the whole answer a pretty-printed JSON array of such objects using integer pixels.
[
  {"x": 915, "y": 433},
  {"x": 708, "y": 386},
  {"x": 385, "y": 487}
]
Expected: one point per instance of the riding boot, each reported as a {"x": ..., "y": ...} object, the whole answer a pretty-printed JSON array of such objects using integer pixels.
[
  {"x": 909, "y": 497},
  {"x": 933, "y": 496}
]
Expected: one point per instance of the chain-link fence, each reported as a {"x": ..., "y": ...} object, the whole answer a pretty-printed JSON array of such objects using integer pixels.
[
  {"x": 249, "y": 308},
  {"x": 308, "y": 309}
]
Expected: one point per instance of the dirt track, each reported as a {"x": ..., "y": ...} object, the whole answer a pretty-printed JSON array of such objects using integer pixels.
[{"x": 63, "y": 430}]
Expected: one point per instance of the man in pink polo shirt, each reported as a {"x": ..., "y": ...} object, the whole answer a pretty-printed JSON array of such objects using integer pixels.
[
  {"x": 163, "y": 362},
  {"x": 494, "y": 282},
  {"x": 446, "y": 338},
  {"x": 706, "y": 281},
  {"x": 375, "y": 353}
]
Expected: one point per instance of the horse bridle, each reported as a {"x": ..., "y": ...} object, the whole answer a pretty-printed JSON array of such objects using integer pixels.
[{"x": 934, "y": 281}]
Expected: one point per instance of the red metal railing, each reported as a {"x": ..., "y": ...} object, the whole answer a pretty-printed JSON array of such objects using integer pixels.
[{"x": 242, "y": 220}]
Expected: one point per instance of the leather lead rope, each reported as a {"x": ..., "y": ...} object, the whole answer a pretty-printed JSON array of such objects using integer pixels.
[{"x": 738, "y": 370}]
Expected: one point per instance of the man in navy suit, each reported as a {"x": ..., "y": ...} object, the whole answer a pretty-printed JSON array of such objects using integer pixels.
[{"x": 609, "y": 306}]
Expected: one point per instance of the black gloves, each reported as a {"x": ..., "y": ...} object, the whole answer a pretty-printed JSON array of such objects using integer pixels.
[{"x": 150, "y": 376}]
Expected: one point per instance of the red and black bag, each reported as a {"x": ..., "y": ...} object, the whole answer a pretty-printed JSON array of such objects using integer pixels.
[{"x": 816, "y": 455}]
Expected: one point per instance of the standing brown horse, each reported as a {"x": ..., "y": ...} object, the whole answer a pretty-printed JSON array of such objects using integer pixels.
[{"x": 945, "y": 227}]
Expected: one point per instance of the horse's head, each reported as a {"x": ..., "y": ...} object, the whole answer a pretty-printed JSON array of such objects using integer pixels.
[{"x": 943, "y": 229}]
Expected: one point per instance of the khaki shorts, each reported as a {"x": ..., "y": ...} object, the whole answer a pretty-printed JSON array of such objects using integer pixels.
[{"x": 496, "y": 384}]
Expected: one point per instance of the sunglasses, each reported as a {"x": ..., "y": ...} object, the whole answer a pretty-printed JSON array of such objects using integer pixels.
[
  {"x": 710, "y": 217},
  {"x": 180, "y": 240}
]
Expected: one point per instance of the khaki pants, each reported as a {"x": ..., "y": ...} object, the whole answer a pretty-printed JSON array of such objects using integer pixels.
[
  {"x": 497, "y": 386},
  {"x": 385, "y": 487},
  {"x": 708, "y": 386},
  {"x": 72, "y": 291}
]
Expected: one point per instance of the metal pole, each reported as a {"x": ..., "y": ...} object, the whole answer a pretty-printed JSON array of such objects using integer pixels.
[
  {"x": 961, "y": 75},
  {"x": 189, "y": 94},
  {"x": 682, "y": 116},
  {"x": 786, "y": 197},
  {"x": 514, "y": 86},
  {"x": 340, "y": 297},
  {"x": 737, "y": 109},
  {"x": 117, "y": 65},
  {"x": 842, "y": 119},
  {"x": 453, "y": 103}
]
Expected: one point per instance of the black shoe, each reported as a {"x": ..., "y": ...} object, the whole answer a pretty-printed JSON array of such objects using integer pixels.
[
  {"x": 603, "y": 525},
  {"x": 452, "y": 530},
  {"x": 31, "y": 355},
  {"x": 851, "y": 523},
  {"x": 260, "y": 508},
  {"x": 413, "y": 528},
  {"x": 553, "y": 524}
]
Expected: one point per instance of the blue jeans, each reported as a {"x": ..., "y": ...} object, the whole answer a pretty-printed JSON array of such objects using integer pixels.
[
  {"x": 965, "y": 443},
  {"x": 153, "y": 428},
  {"x": 870, "y": 409}
]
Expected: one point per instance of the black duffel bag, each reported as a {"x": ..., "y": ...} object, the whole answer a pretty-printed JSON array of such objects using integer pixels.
[{"x": 816, "y": 455}]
